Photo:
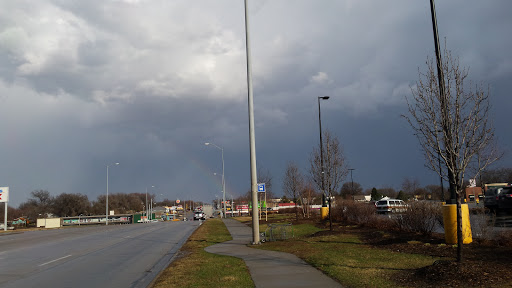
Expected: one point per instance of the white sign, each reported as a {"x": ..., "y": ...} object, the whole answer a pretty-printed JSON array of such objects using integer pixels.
[
  {"x": 4, "y": 194},
  {"x": 261, "y": 187},
  {"x": 472, "y": 182}
]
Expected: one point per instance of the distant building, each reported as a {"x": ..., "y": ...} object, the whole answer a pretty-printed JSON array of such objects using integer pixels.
[
  {"x": 473, "y": 194},
  {"x": 362, "y": 198}
]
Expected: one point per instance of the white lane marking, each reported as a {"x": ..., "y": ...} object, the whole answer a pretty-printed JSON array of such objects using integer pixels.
[{"x": 54, "y": 260}]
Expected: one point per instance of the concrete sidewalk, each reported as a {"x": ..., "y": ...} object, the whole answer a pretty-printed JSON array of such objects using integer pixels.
[{"x": 269, "y": 268}]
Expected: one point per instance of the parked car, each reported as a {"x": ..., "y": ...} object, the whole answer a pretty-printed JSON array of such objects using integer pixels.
[
  {"x": 390, "y": 206},
  {"x": 505, "y": 198},
  {"x": 491, "y": 198}
]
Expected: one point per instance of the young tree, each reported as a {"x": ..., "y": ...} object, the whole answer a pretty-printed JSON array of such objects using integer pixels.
[
  {"x": 308, "y": 198},
  {"x": 293, "y": 183},
  {"x": 453, "y": 127},
  {"x": 335, "y": 168}
]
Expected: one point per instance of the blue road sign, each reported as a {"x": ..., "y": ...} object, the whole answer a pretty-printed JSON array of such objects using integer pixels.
[{"x": 261, "y": 187}]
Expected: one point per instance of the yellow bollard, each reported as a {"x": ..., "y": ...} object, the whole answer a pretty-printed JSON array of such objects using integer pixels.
[
  {"x": 324, "y": 212},
  {"x": 450, "y": 224}
]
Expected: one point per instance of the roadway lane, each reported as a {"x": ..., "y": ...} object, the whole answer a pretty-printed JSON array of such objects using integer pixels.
[{"x": 94, "y": 256}]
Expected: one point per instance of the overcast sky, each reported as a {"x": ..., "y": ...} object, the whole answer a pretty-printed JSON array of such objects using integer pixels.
[{"x": 84, "y": 84}]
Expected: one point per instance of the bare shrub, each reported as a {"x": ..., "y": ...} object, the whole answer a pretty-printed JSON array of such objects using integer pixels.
[
  {"x": 421, "y": 217},
  {"x": 354, "y": 212},
  {"x": 287, "y": 211},
  {"x": 482, "y": 224},
  {"x": 383, "y": 223},
  {"x": 504, "y": 238}
]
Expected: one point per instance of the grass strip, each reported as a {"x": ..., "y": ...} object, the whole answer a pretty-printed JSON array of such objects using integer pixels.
[
  {"x": 198, "y": 268},
  {"x": 345, "y": 258}
]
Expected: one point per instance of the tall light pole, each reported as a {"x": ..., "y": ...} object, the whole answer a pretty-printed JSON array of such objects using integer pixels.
[
  {"x": 147, "y": 207},
  {"x": 106, "y": 200},
  {"x": 322, "y": 158},
  {"x": 223, "y": 179},
  {"x": 443, "y": 103},
  {"x": 252, "y": 140},
  {"x": 352, "y": 179}
]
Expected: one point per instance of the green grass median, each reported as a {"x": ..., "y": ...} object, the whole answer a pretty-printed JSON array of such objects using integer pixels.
[{"x": 198, "y": 268}]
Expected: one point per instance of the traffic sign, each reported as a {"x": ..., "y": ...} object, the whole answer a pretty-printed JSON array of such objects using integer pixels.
[
  {"x": 4, "y": 194},
  {"x": 261, "y": 187},
  {"x": 178, "y": 201}
]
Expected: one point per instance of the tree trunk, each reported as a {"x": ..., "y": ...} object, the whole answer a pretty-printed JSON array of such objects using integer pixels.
[
  {"x": 330, "y": 217},
  {"x": 296, "y": 211},
  {"x": 460, "y": 239}
]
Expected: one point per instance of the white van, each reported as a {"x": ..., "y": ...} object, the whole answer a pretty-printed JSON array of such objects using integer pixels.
[{"x": 390, "y": 206}]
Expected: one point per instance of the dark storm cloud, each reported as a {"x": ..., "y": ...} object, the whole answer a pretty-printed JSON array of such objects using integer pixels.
[{"x": 146, "y": 83}]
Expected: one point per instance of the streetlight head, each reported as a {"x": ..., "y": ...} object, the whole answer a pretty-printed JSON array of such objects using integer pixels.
[
  {"x": 117, "y": 163},
  {"x": 325, "y": 97},
  {"x": 206, "y": 143}
]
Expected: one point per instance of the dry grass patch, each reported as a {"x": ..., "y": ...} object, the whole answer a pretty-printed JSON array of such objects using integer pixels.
[
  {"x": 344, "y": 257},
  {"x": 198, "y": 268}
]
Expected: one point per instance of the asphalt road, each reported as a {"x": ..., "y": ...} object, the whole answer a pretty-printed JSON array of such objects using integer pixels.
[{"x": 95, "y": 256}]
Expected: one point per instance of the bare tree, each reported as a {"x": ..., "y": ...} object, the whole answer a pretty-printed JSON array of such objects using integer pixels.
[
  {"x": 409, "y": 186},
  {"x": 293, "y": 184},
  {"x": 387, "y": 191},
  {"x": 349, "y": 189},
  {"x": 308, "y": 198},
  {"x": 452, "y": 127},
  {"x": 498, "y": 175},
  {"x": 335, "y": 168},
  {"x": 40, "y": 204},
  {"x": 435, "y": 191},
  {"x": 71, "y": 205}
]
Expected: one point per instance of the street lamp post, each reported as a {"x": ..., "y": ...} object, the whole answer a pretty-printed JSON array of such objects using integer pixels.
[
  {"x": 352, "y": 179},
  {"x": 147, "y": 207},
  {"x": 252, "y": 137},
  {"x": 322, "y": 160},
  {"x": 223, "y": 179},
  {"x": 443, "y": 100},
  {"x": 106, "y": 200}
]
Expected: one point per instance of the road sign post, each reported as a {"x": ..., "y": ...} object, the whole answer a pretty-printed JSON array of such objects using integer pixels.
[
  {"x": 261, "y": 189},
  {"x": 4, "y": 197}
]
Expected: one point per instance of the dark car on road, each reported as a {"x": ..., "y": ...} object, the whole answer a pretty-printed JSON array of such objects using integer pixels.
[
  {"x": 199, "y": 216},
  {"x": 505, "y": 199}
]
